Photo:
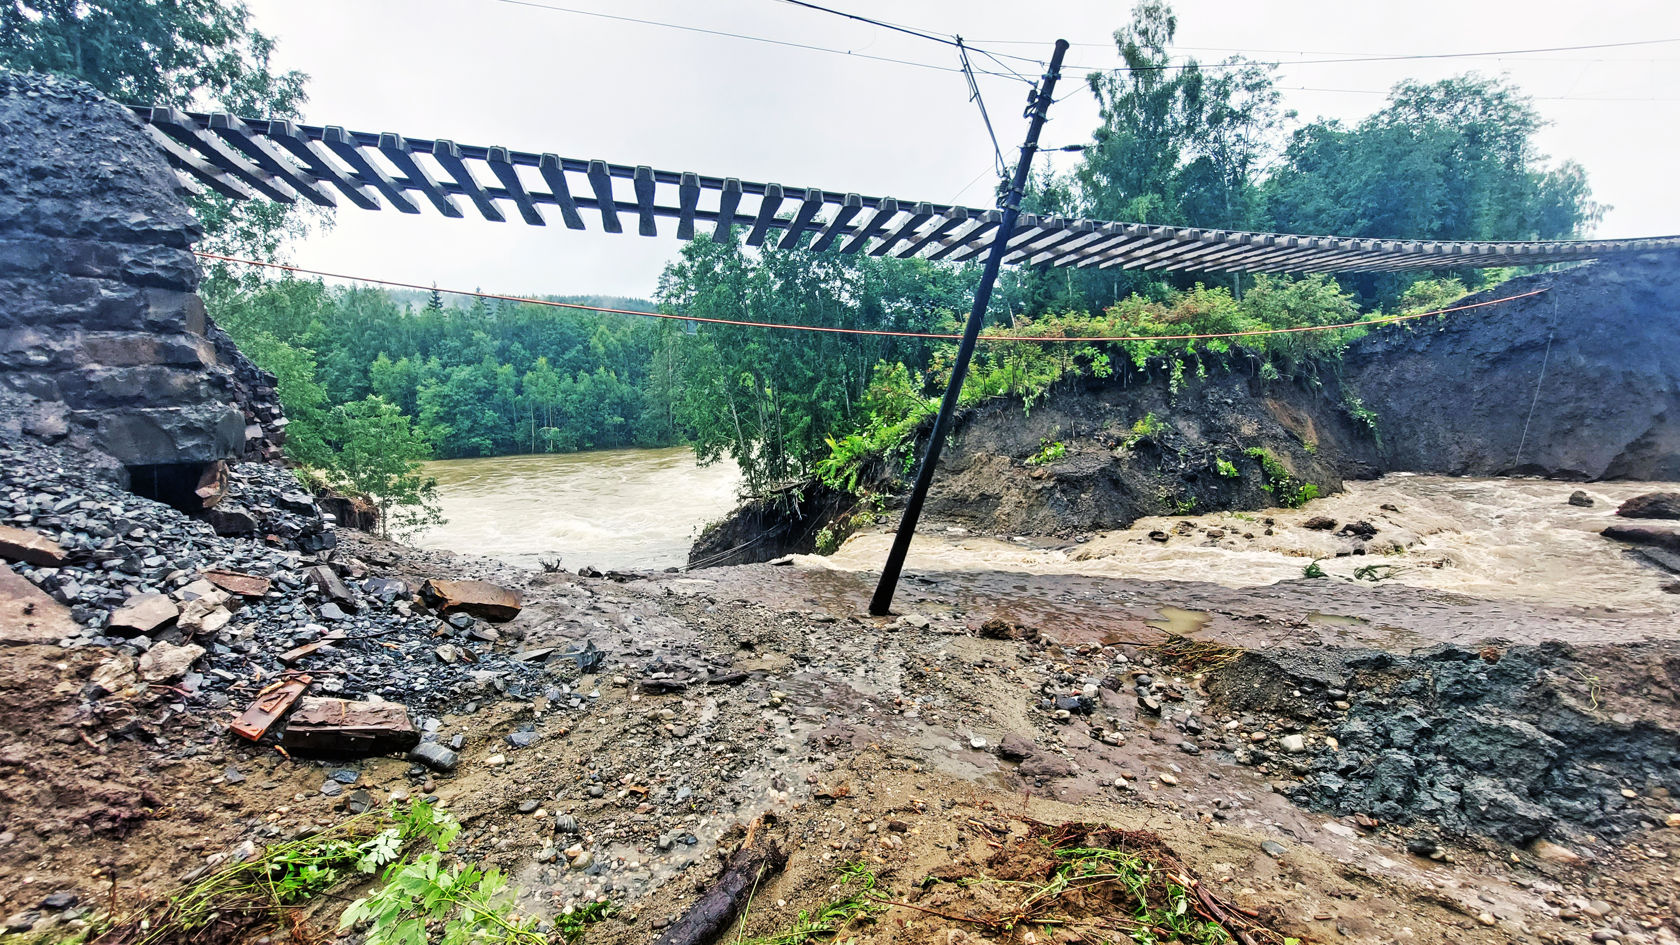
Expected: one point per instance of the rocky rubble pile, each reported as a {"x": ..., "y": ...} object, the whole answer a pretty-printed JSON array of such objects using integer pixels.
[
  {"x": 1514, "y": 744},
  {"x": 219, "y": 618}
]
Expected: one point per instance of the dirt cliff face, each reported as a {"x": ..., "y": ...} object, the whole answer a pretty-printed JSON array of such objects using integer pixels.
[
  {"x": 1453, "y": 395},
  {"x": 1228, "y": 441}
]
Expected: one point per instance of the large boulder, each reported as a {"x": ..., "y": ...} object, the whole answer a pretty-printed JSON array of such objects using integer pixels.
[{"x": 1651, "y": 505}]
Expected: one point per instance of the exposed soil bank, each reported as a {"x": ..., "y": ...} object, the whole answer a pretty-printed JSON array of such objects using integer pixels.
[{"x": 1454, "y": 396}]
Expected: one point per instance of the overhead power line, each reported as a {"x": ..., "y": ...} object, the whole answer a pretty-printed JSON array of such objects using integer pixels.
[
  {"x": 728, "y": 34},
  {"x": 875, "y": 332}
]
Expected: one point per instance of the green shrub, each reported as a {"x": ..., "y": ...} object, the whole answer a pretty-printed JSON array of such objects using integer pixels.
[
  {"x": 1050, "y": 452},
  {"x": 1225, "y": 468}
]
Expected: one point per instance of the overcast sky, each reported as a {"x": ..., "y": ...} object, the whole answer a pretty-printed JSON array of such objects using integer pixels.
[{"x": 492, "y": 72}]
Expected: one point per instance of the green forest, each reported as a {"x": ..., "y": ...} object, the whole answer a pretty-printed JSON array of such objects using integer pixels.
[{"x": 363, "y": 375}]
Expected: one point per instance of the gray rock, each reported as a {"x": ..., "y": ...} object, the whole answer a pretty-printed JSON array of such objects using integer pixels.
[{"x": 434, "y": 756}]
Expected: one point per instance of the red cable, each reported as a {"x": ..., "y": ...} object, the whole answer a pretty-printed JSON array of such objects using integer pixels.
[{"x": 1384, "y": 319}]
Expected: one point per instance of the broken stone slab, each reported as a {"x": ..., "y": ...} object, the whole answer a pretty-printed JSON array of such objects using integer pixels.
[
  {"x": 245, "y": 585},
  {"x": 479, "y": 598},
  {"x": 142, "y": 614},
  {"x": 387, "y": 588},
  {"x": 21, "y": 544},
  {"x": 28, "y": 615},
  {"x": 326, "y": 581},
  {"x": 343, "y": 727},
  {"x": 166, "y": 662}
]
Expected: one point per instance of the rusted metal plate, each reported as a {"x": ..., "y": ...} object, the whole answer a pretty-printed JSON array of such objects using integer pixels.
[
  {"x": 479, "y": 598},
  {"x": 269, "y": 705},
  {"x": 28, "y": 615},
  {"x": 245, "y": 585},
  {"x": 342, "y": 727}
]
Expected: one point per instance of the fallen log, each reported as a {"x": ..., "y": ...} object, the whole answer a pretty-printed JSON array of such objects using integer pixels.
[{"x": 747, "y": 870}]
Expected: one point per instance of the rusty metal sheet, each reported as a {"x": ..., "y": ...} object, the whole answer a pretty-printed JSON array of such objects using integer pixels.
[{"x": 270, "y": 704}]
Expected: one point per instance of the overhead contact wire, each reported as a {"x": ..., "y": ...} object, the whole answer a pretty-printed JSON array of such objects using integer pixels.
[{"x": 875, "y": 332}]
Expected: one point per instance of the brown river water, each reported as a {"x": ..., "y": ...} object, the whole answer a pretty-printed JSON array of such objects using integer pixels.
[
  {"x": 1514, "y": 540},
  {"x": 608, "y": 509}
]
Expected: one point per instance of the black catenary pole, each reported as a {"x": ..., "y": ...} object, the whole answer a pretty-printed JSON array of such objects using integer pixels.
[{"x": 1037, "y": 109}]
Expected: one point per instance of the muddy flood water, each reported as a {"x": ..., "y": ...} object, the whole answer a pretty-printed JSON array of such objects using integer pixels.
[
  {"x": 608, "y": 509},
  {"x": 1498, "y": 539}
]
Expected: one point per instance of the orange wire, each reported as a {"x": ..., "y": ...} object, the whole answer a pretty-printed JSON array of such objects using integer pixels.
[{"x": 1380, "y": 320}]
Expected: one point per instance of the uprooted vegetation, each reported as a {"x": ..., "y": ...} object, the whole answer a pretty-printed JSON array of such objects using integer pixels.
[{"x": 1074, "y": 882}]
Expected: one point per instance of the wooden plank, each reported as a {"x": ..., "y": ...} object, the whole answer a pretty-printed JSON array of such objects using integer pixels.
[
  {"x": 1030, "y": 226},
  {"x": 1068, "y": 233},
  {"x": 767, "y": 207},
  {"x": 448, "y": 155},
  {"x": 952, "y": 219},
  {"x": 344, "y": 145},
  {"x": 883, "y": 214},
  {"x": 727, "y": 202},
  {"x": 644, "y": 201},
  {"x": 688, "y": 198},
  {"x": 1196, "y": 256},
  {"x": 554, "y": 174},
  {"x": 287, "y": 135},
  {"x": 183, "y": 128},
  {"x": 501, "y": 165},
  {"x": 1132, "y": 236},
  {"x": 850, "y": 207},
  {"x": 269, "y": 158},
  {"x": 975, "y": 231},
  {"x": 394, "y": 147},
  {"x": 188, "y": 160},
  {"x": 808, "y": 211},
  {"x": 922, "y": 213},
  {"x": 601, "y": 182},
  {"x": 1105, "y": 236}
]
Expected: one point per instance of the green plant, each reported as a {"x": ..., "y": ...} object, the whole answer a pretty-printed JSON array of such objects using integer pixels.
[
  {"x": 1376, "y": 572},
  {"x": 426, "y": 900},
  {"x": 1363, "y": 415},
  {"x": 1225, "y": 468},
  {"x": 1311, "y": 446},
  {"x": 831, "y": 919},
  {"x": 827, "y": 542},
  {"x": 1050, "y": 452},
  {"x": 1184, "y": 506},
  {"x": 255, "y": 894},
  {"x": 1289, "y": 491},
  {"x": 1312, "y": 570}
]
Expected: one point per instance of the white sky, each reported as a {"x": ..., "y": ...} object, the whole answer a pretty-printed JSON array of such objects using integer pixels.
[{"x": 489, "y": 72}]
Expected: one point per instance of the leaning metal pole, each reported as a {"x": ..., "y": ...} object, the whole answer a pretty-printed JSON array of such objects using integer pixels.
[{"x": 1037, "y": 109}]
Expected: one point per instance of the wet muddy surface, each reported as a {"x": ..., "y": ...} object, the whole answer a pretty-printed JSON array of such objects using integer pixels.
[{"x": 1252, "y": 727}]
